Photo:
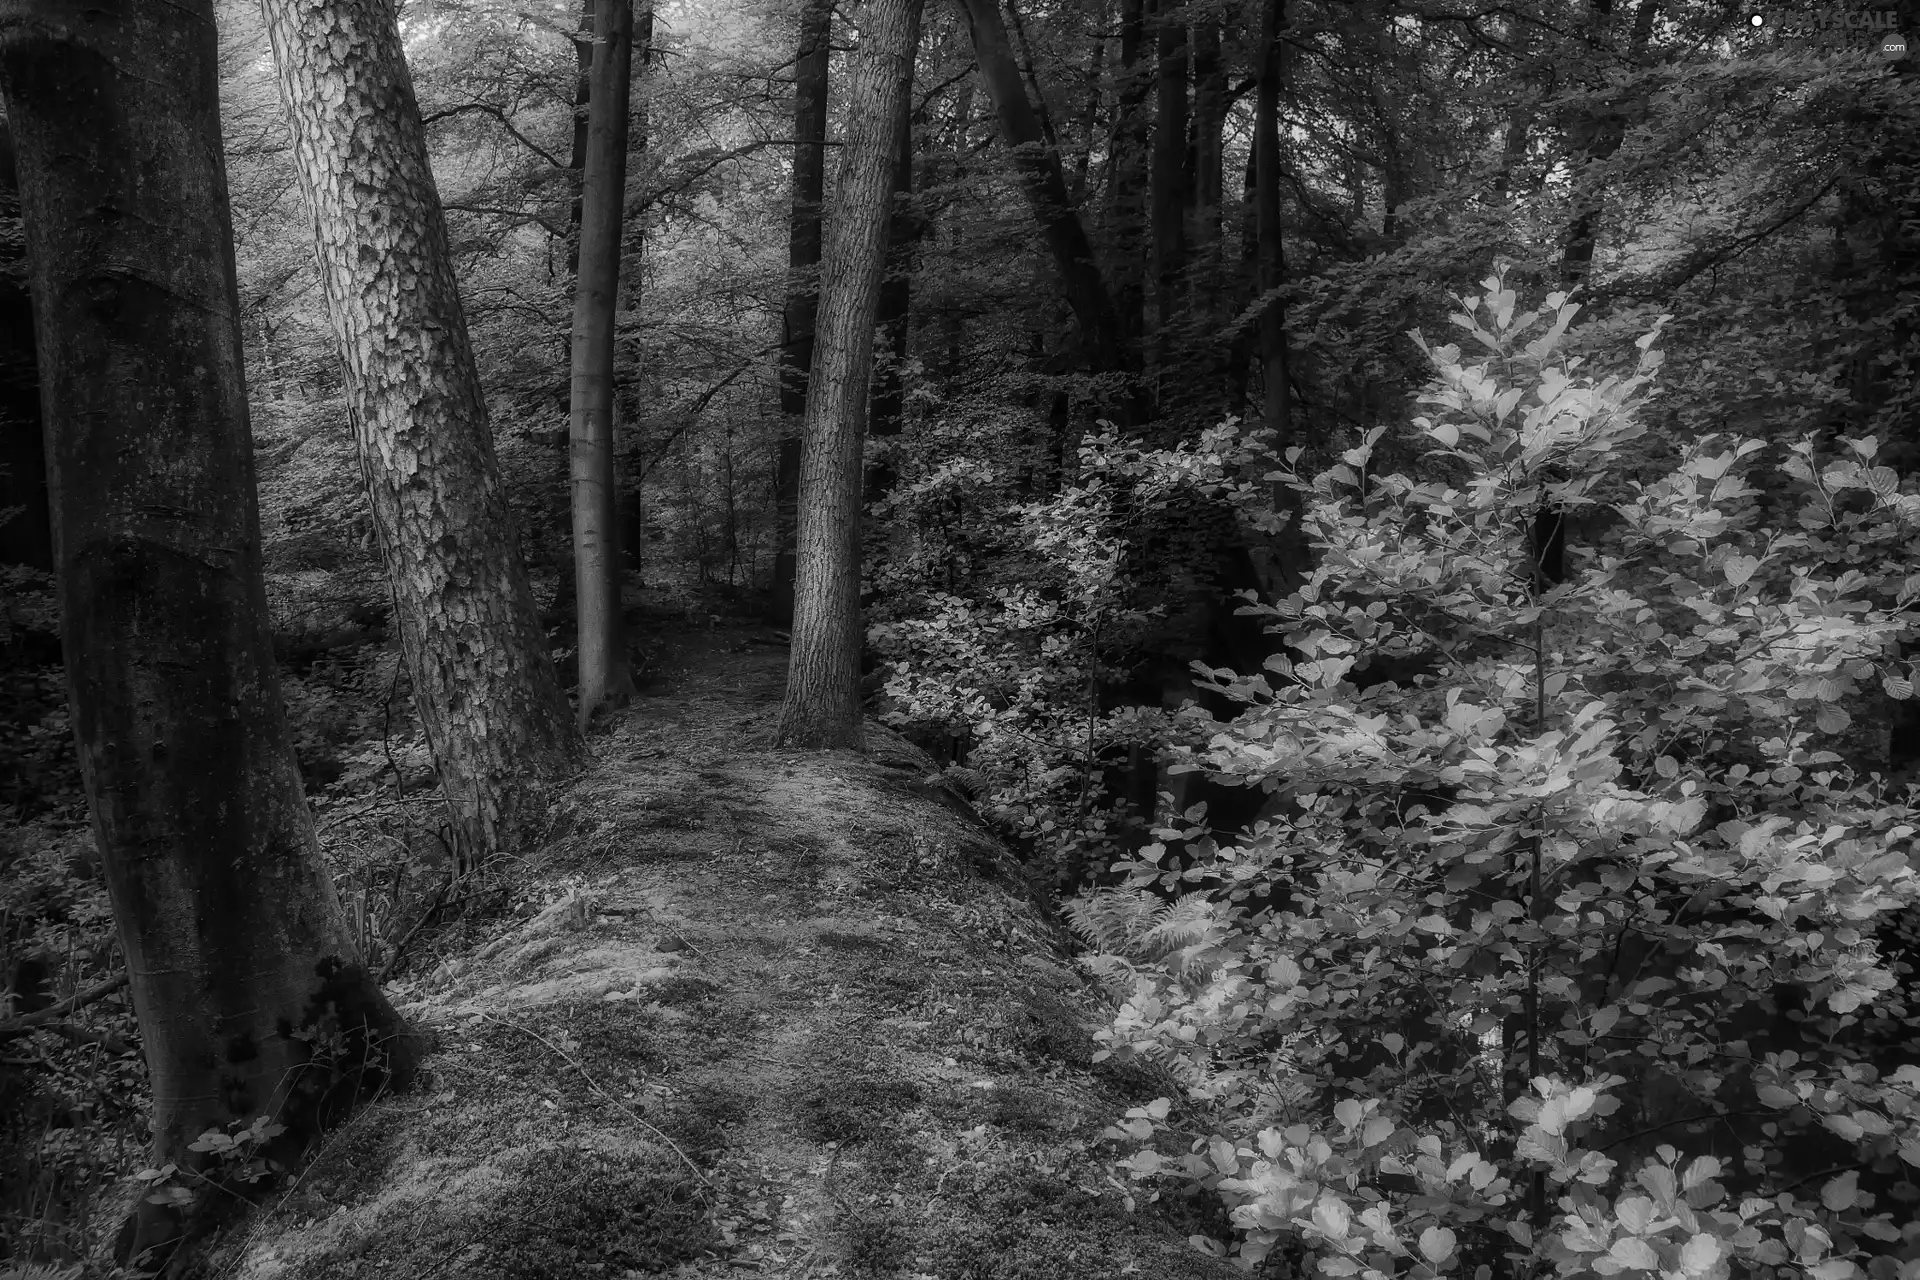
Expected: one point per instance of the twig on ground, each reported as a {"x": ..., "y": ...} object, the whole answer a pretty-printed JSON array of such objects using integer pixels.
[
  {"x": 595, "y": 1086},
  {"x": 53, "y": 1013}
]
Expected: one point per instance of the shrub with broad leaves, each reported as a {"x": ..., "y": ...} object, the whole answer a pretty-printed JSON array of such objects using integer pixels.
[{"x": 1577, "y": 955}]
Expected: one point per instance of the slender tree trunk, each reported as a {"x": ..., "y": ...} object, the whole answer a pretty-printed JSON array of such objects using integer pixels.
[
  {"x": 1593, "y": 139},
  {"x": 1209, "y": 124},
  {"x": 1211, "y": 283},
  {"x": 630, "y": 502},
  {"x": 1127, "y": 173},
  {"x": 239, "y": 957},
  {"x": 1170, "y": 166},
  {"x": 582, "y": 110},
  {"x": 26, "y": 521},
  {"x": 803, "y": 287},
  {"x": 1090, "y": 118},
  {"x": 1037, "y": 167},
  {"x": 1277, "y": 403},
  {"x": 489, "y": 698},
  {"x": 605, "y": 681},
  {"x": 822, "y": 706}
]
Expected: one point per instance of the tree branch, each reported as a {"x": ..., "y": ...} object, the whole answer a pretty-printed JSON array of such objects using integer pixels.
[
  {"x": 20, "y": 1026},
  {"x": 488, "y": 109}
]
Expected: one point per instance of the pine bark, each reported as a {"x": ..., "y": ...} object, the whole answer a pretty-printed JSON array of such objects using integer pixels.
[
  {"x": 489, "y": 698},
  {"x": 605, "y": 679},
  {"x": 803, "y": 287},
  {"x": 236, "y": 947},
  {"x": 822, "y": 707}
]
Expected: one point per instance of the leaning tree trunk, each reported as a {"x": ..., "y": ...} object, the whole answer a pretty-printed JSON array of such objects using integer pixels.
[
  {"x": 803, "y": 287},
  {"x": 1037, "y": 167},
  {"x": 240, "y": 959},
  {"x": 822, "y": 706},
  {"x": 605, "y": 679},
  {"x": 489, "y": 698}
]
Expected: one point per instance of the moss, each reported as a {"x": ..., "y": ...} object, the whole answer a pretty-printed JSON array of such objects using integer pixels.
[
  {"x": 850, "y": 1110},
  {"x": 613, "y": 1039},
  {"x": 1026, "y": 1110},
  {"x": 566, "y": 1212},
  {"x": 850, "y": 941},
  {"x": 682, "y": 992},
  {"x": 699, "y": 1117},
  {"x": 875, "y": 1246}
]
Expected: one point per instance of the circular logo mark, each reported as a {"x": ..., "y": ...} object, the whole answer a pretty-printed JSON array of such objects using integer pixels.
[{"x": 1894, "y": 47}]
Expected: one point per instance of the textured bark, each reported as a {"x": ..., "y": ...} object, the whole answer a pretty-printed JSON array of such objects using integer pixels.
[
  {"x": 1037, "y": 167},
  {"x": 822, "y": 706},
  {"x": 803, "y": 286},
  {"x": 605, "y": 679},
  {"x": 488, "y": 695},
  {"x": 235, "y": 944}
]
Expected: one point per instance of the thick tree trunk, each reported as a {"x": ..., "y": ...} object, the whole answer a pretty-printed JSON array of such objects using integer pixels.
[
  {"x": 822, "y": 706},
  {"x": 803, "y": 287},
  {"x": 489, "y": 698},
  {"x": 239, "y": 957},
  {"x": 1037, "y": 167},
  {"x": 605, "y": 680}
]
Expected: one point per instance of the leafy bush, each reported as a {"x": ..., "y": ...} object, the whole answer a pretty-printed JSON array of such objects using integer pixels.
[{"x": 1574, "y": 954}]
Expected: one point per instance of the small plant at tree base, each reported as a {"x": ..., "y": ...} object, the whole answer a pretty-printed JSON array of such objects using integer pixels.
[
  {"x": 1566, "y": 959},
  {"x": 232, "y": 1159}
]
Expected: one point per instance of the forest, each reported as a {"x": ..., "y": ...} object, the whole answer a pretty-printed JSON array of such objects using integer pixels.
[{"x": 1388, "y": 530}]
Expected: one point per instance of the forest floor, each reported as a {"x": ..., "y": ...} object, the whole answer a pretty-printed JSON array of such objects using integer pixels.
[{"x": 758, "y": 1011}]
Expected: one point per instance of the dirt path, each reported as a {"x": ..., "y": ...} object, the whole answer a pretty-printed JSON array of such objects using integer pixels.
[{"x": 781, "y": 1012}]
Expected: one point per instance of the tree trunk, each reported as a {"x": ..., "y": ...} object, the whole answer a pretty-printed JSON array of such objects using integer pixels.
[
  {"x": 1170, "y": 167},
  {"x": 822, "y": 706},
  {"x": 489, "y": 698},
  {"x": 582, "y": 110},
  {"x": 1127, "y": 173},
  {"x": 239, "y": 957},
  {"x": 803, "y": 287},
  {"x": 605, "y": 680},
  {"x": 1037, "y": 166},
  {"x": 26, "y": 521},
  {"x": 1277, "y": 403},
  {"x": 1090, "y": 118},
  {"x": 1593, "y": 139}
]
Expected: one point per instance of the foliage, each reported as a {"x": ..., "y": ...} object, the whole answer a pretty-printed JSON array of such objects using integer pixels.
[
  {"x": 1022, "y": 667},
  {"x": 1613, "y": 838}
]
